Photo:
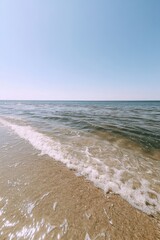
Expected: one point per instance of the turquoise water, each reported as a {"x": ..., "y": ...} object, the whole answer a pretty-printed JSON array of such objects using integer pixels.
[{"x": 116, "y": 145}]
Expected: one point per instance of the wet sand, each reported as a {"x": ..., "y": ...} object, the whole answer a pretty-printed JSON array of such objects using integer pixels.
[{"x": 42, "y": 199}]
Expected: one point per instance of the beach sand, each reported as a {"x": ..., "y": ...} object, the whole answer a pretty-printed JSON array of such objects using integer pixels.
[{"x": 42, "y": 199}]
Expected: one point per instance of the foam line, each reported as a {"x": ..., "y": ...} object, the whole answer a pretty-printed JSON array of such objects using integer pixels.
[{"x": 102, "y": 179}]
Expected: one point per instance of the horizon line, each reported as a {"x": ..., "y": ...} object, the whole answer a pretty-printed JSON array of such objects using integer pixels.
[{"x": 89, "y": 100}]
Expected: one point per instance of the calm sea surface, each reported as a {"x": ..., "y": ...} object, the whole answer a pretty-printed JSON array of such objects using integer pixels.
[{"x": 116, "y": 145}]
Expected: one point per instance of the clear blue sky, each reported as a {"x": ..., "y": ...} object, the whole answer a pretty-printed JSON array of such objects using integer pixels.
[{"x": 80, "y": 49}]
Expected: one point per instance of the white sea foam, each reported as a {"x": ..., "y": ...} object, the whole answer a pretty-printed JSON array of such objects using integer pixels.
[{"x": 100, "y": 171}]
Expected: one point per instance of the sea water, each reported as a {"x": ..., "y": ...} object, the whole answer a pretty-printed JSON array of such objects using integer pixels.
[{"x": 115, "y": 145}]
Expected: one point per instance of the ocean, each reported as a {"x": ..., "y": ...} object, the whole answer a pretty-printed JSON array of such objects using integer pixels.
[{"x": 114, "y": 145}]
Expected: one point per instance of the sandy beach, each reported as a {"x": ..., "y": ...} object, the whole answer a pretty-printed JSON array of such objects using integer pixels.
[
  {"x": 80, "y": 120},
  {"x": 42, "y": 199}
]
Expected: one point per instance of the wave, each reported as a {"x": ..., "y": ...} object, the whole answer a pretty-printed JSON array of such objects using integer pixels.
[{"x": 101, "y": 173}]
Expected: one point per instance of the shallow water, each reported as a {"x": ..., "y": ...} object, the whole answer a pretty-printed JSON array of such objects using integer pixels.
[{"x": 116, "y": 145}]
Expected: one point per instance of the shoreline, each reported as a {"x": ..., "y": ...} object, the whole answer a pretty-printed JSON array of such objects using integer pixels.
[{"x": 47, "y": 199}]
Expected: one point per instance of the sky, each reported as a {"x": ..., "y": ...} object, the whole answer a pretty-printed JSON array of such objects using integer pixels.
[{"x": 80, "y": 49}]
